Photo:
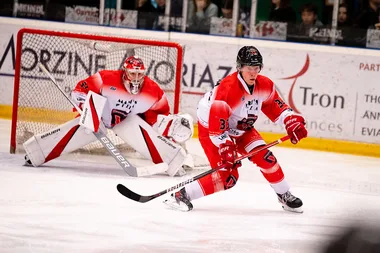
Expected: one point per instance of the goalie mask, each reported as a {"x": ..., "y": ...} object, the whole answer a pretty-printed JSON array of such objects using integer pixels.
[{"x": 134, "y": 73}]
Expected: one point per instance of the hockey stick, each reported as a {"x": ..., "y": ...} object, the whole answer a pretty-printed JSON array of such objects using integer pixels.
[
  {"x": 142, "y": 199},
  {"x": 100, "y": 135}
]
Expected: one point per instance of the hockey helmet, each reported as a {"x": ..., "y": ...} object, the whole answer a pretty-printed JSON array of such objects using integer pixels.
[
  {"x": 134, "y": 72},
  {"x": 249, "y": 56}
]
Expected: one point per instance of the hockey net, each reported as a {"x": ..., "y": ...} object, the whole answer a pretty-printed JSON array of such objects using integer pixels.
[{"x": 70, "y": 57}]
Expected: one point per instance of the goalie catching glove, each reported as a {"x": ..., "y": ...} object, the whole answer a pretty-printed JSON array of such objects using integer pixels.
[{"x": 180, "y": 128}]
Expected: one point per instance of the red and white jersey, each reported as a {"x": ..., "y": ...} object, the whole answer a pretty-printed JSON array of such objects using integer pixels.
[
  {"x": 230, "y": 109},
  {"x": 150, "y": 102}
]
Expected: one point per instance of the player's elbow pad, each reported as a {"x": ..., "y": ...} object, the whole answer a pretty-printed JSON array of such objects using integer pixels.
[{"x": 220, "y": 112}]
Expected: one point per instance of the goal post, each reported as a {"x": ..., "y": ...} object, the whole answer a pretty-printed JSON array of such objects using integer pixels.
[{"x": 70, "y": 57}]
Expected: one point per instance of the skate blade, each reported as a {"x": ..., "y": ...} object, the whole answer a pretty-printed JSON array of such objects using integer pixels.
[
  {"x": 293, "y": 210},
  {"x": 175, "y": 206}
]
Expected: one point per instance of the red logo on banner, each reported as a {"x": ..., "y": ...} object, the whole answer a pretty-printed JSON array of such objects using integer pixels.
[
  {"x": 266, "y": 29},
  {"x": 295, "y": 77}
]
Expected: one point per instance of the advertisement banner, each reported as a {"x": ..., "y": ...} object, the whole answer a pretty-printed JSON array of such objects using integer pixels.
[
  {"x": 82, "y": 14},
  {"x": 7, "y": 64},
  {"x": 221, "y": 26},
  {"x": 373, "y": 38},
  {"x": 271, "y": 30},
  {"x": 127, "y": 18},
  {"x": 30, "y": 10}
]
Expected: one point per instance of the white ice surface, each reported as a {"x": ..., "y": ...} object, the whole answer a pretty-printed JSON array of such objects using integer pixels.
[{"x": 75, "y": 207}]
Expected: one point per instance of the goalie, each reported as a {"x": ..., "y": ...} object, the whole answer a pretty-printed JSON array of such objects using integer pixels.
[{"x": 134, "y": 107}]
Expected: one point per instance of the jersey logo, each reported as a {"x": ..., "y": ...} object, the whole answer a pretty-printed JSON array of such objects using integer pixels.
[
  {"x": 130, "y": 104},
  {"x": 253, "y": 51},
  {"x": 246, "y": 124},
  {"x": 252, "y": 104},
  {"x": 112, "y": 88}
]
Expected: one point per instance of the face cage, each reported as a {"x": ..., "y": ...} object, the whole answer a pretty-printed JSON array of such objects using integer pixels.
[{"x": 134, "y": 80}]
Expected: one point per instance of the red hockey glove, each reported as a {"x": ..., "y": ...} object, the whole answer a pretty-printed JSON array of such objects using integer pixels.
[
  {"x": 228, "y": 154},
  {"x": 295, "y": 126}
]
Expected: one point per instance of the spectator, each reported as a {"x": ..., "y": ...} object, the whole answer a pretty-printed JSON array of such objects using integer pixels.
[
  {"x": 281, "y": 11},
  {"x": 199, "y": 15},
  {"x": 343, "y": 17},
  {"x": 145, "y": 5},
  {"x": 309, "y": 15},
  {"x": 227, "y": 8},
  {"x": 175, "y": 20},
  {"x": 369, "y": 15},
  {"x": 377, "y": 25},
  {"x": 146, "y": 14},
  {"x": 349, "y": 35},
  {"x": 161, "y": 7},
  {"x": 304, "y": 32},
  {"x": 176, "y": 7},
  {"x": 159, "y": 21}
]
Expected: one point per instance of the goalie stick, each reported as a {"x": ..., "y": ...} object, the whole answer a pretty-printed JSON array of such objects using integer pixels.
[
  {"x": 100, "y": 135},
  {"x": 143, "y": 199}
]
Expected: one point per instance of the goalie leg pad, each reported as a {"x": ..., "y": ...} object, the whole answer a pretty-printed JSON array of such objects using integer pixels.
[
  {"x": 65, "y": 138},
  {"x": 144, "y": 139}
]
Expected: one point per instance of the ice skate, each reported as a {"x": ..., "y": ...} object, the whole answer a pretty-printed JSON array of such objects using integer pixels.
[
  {"x": 179, "y": 201},
  {"x": 290, "y": 203}
]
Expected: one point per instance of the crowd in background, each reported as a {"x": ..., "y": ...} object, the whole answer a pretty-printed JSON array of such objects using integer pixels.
[{"x": 305, "y": 20}]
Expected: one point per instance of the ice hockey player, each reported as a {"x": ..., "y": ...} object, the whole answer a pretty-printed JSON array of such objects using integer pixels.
[
  {"x": 136, "y": 109},
  {"x": 226, "y": 117}
]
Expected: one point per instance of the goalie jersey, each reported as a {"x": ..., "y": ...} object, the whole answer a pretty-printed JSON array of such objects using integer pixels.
[
  {"x": 233, "y": 108},
  {"x": 149, "y": 103}
]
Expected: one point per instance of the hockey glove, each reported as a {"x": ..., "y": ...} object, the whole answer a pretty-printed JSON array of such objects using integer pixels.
[
  {"x": 295, "y": 127},
  {"x": 227, "y": 153}
]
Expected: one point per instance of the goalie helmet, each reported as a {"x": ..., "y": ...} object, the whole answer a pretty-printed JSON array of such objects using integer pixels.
[
  {"x": 134, "y": 73},
  {"x": 249, "y": 56}
]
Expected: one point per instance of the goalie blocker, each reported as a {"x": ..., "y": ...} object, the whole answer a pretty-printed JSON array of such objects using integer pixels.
[{"x": 147, "y": 140}]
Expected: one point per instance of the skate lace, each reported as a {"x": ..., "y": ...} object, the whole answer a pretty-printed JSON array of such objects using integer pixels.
[{"x": 288, "y": 197}]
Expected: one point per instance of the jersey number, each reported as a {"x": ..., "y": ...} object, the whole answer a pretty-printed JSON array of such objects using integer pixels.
[
  {"x": 223, "y": 124},
  {"x": 279, "y": 102}
]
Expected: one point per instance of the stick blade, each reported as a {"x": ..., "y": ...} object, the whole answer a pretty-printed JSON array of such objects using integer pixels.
[
  {"x": 132, "y": 195},
  {"x": 128, "y": 193}
]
